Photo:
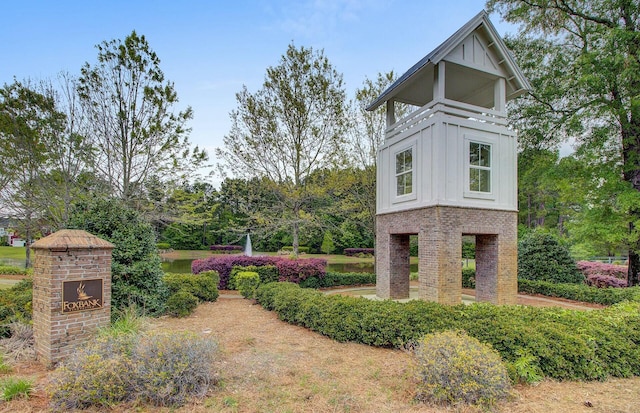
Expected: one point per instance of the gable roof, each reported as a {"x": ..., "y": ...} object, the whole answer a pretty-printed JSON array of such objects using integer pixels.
[{"x": 517, "y": 85}]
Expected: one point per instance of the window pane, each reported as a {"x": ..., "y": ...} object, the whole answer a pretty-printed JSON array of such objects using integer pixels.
[
  {"x": 485, "y": 155},
  {"x": 474, "y": 179},
  {"x": 400, "y": 163},
  {"x": 485, "y": 180},
  {"x": 408, "y": 160},
  {"x": 474, "y": 153},
  {"x": 408, "y": 185}
]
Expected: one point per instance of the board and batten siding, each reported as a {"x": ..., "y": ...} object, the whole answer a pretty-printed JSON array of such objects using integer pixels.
[{"x": 440, "y": 165}]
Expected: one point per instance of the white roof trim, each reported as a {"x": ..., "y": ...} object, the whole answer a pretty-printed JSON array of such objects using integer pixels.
[{"x": 440, "y": 52}]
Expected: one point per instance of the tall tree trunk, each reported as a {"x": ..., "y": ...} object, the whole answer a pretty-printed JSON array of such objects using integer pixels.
[
  {"x": 631, "y": 159},
  {"x": 296, "y": 229}
]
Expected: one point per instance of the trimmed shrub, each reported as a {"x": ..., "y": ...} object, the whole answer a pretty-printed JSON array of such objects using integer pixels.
[
  {"x": 247, "y": 282},
  {"x": 356, "y": 252},
  {"x": 562, "y": 344},
  {"x": 15, "y": 305},
  {"x": 226, "y": 248},
  {"x": 580, "y": 292},
  {"x": 297, "y": 270},
  {"x": 136, "y": 269},
  {"x": 334, "y": 279},
  {"x": 455, "y": 368},
  {"x": 288, "y": 269},
  {"x": 542, "y": 258},
  {"x": 267, "y": 273},
  {"x": 161, "y": 368},
  {"x": 605, "y": 281},
  {"x": 181, "y": 303},
  {"x": 203, "y": 285}
]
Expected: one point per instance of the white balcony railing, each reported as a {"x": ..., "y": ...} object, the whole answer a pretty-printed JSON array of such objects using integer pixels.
[{"x": 448, "y": 107}]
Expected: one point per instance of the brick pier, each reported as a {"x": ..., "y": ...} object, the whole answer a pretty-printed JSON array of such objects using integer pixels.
[{"x": 440, "y": 230}]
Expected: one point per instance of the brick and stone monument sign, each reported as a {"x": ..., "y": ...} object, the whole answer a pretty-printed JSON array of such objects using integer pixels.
[{"x": 71, "y": 292}]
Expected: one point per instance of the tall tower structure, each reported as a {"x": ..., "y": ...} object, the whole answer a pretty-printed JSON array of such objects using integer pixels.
[{"x": 449, "y": 169}]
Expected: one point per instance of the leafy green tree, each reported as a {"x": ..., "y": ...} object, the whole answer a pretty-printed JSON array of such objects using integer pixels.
[
  {"x": 136, "y": 271},
  {"x": 294, "y": 125},
  {"x": 327, "y": 243},
  {"x": 30, "y": 126},
  {"x": 583, "y": 60},
  {"x": 129, "y": 105},
  {"x": 367, "y": 135},
  {"x": 71, "y": 176}
]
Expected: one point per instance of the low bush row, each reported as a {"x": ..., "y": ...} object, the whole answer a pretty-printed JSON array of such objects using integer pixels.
[
  {"x": 603, "y": 275},
  {"x": 335, "y": 279},
  {"x": 580, "y": 292},
  {"x": 354, "y": 252},
  {"x": 561, "y": 344},
  {"x": 301, "y": 249},
  {"x": 11, "y": 270},
  {"x": 226, "y": 248},
  {"x": 288, "y": 269},
  {"x": 600, "y": 268}
]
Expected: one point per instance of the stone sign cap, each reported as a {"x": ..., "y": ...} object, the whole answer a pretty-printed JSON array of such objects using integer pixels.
[{"x": 71, "y": 239}]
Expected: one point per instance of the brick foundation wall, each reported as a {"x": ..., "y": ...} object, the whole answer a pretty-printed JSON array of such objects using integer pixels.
[
  {"x": 58, "y": 334},
  {"x": 440, "y": 230}
]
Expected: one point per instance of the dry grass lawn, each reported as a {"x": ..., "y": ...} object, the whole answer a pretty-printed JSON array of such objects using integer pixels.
[{"x": 267, "y": 365}]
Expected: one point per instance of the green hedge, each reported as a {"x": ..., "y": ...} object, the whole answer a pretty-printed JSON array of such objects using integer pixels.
[
  {"x": 333, "y": 279},
  {"x": 15, "y": 305},
  {"x": 267, "y": 273},
  {"x": 580, "y": 292},
  {"x": 563, "y": 344},
  {"x": 204, "y": 285},
  {"x": 301, "y": 249},
  {"x": 12, "y": 270}
]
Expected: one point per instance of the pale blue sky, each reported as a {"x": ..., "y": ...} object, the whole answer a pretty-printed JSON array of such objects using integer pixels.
[{"x": 209, "y": 49}]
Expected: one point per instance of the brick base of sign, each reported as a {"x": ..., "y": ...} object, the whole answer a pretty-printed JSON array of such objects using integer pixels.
[
  {"x": 63, "y": 322},
  {"x": 440, "y": 230}
]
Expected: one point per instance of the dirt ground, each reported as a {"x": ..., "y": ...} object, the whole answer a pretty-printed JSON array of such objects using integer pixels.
[{"x": 266, "y": 365}]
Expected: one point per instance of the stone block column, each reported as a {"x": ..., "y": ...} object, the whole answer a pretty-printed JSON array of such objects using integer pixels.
[{"x": 71, "y": 292}]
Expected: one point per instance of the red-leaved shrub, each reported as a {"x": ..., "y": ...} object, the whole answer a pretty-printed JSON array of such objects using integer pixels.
[
  {"x": 225, "y": 248},
  {"x": 352, "y": 252},
  {"x": 601, "y": 275},
  {"x": 288, "y": 269},
  {"x": 297, "y": 270}
]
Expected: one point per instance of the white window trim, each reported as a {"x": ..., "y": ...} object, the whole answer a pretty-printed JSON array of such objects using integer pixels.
[
  {"x": 468, "y": 140},
  {"x": 414, "y": 165}
]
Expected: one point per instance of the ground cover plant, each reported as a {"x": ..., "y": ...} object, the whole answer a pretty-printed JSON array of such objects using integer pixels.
[
  {"x": 161, "y": 368},
  {"x": 562, "y": 344}
]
